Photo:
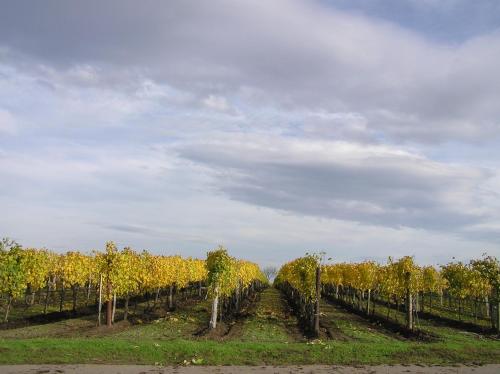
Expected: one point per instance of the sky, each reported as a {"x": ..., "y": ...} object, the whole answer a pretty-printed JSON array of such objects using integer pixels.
[{"x": 361, "y": 128}]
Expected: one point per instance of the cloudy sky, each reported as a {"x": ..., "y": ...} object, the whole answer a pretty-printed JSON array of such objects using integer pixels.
[{"x": 364, "y": 128}]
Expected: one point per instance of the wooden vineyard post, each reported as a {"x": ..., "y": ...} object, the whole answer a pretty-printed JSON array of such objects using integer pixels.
[
  {"x": 88, "y": 290},
  {"x": 61, "y": 299},
  {"x": 125, "y": 314},
  {"x": 368, "y": 303},
  {"x": 238, "y": 296},
  {"x": 157, "y": 297},
  {"x": 459, "y": 309},
  {"x": 74, "y": 289},
  {"x": 114, "y": 309},
  {"x": 100, "y": 302},
  {"x": 7, "y": 308},
  {"x": 171, "y": 297},
  {"x": 47, "y": 297},
  {"x": 215, "y": 304},
  {"x": 409, "y": 304},
  {"x": 498, "y": 312},
  {"x": 109, "y": 305},
  {"x": 318, "y": 298}
]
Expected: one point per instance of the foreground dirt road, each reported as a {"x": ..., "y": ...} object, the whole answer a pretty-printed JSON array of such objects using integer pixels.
[{"x": 303, "y": 369}]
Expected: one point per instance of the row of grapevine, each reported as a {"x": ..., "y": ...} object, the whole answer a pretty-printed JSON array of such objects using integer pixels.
[
  {"x": 229, "y": 281},
  {"x": 126, "y": 273},
  {"x": 113, "y": 274},
  {"x": 402, "y": 283},
  {"x": 299, "y": 280}
]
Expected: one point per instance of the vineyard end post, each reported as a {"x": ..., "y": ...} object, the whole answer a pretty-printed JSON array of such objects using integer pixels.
[
  {"x": 109, "y": 305},
  {"x": 498, "y": 312},
  {"x": 409, "y": 303},
  {"x": 318, "y": 298},
  {"x": 215, "y": 302}
]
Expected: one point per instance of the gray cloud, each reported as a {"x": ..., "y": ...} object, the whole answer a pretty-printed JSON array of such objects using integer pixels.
[
  {"x": 369, "y": 184},
  {"x": 289, "y": 125},
  {"x": 309, "y": 57}
]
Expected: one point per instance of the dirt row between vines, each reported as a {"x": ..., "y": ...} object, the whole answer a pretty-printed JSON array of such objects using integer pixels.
[{"x": 266, "y": 318}]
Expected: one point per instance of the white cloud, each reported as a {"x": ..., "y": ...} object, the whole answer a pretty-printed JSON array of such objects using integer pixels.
[
  {"x": 216, "y": 102},
  {"x": 374, "y": 184},
  {"x": 312, "y": 56},
  {"x": 78, "y": 197},
  {"x": 319, "y": 128},
  {"x": 8, "y": 124}
]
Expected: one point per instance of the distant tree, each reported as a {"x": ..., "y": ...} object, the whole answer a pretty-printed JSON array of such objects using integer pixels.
[
  {"x": 7, "y": 244},
  {"x": 270, "y": 272}
]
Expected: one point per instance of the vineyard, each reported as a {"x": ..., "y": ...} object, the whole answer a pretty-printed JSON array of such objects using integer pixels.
[
  {"x": 112, "y": 275},
  {"x": 466, "y": 294},
  {"x": 122, "y": 305}
]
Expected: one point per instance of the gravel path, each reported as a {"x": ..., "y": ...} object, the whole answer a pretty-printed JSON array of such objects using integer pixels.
[{"x": 305, "y": 369}]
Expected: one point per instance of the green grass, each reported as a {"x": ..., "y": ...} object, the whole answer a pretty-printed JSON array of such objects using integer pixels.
[
  {"x": 270, "y": 321},
  {"x": 445, "y": 311},
  {"x": 268, "y": 334},
  {"x": 347, "y": 326},
  {"x": 150, "y": 351}
]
